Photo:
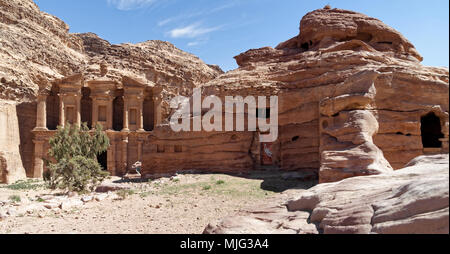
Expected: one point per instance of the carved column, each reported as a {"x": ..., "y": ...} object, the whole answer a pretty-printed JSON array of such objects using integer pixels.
[
  {"x": 78, "y": 101},
  {"x": 62, "y": 120},
  {"x": 41, "y": 118},
  {"x": 125, "y": 115},
  {"x": 38, "y": 159},
  {"x": 94, "y": 112},
  {"x": 109, "y": 112},
  {"x": 140, "y": 119},
  {"x": 157, "y": 109}
]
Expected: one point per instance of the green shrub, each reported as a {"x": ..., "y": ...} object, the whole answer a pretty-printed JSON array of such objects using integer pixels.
[
  {"x": 75, "y": 151},
  {"x": 15, "y": 198},
  {"x": 207, "y": 187},
  {"x": 124, "y": 193},
  {"x": 220, "y": 182},
  {"x": 29, "y": 184}
]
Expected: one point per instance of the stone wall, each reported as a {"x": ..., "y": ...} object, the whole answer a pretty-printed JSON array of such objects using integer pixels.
[{"x": 167, "y": 152}]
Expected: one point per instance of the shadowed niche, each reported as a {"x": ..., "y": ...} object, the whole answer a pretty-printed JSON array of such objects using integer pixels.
[{"x": 431, "y": 131}]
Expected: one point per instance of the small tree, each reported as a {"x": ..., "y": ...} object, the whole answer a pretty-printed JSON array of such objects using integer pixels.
[{"x": 75, "y": 151}]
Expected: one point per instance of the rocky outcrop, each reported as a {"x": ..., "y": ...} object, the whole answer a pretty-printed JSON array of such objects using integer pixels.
[
  {"x": 413, "y": 200},
  {"x": 36, "y": 48},
  {"x": 353, "y": 97},
  {"x": 326, "y": 27}
]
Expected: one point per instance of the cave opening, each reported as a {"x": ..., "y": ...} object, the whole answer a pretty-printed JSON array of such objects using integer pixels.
[
  {"x": 431, "y": 131},
  {"x": 305, "y": 46}
]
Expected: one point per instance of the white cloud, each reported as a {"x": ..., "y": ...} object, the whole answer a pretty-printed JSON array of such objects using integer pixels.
[
  {"x": 203, "y": 12},
  {"x": 191, "y": 31},
  {"x": 165, "y": 22},
  {"x": 180, "y": 17},
  {"x": 126, "y": 5},
  {"x": 194, "y": 43}
]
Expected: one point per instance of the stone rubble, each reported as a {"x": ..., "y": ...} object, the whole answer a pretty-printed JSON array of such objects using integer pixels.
[{"x": 51, "y": 203}]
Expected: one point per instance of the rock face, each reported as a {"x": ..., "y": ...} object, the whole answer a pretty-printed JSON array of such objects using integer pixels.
[
  {"x": 413, "y": 200},
  {"x": 36, "y": 47},
  {"x": 353, "y": 100},
  {"x": 353, "y": 97},
  {"x": 38, "y": 50},
  {"x": 11, "y": 168}
]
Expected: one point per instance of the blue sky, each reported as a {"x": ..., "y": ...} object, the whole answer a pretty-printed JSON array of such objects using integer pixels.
[{"x": 217, "y": 30}]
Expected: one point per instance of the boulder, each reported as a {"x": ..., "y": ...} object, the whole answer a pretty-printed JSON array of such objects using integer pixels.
[
  {"x": 412, "y": 200},
  {"x": 101, "y": 197},
  {"x": 86, "y": 199},
  {"x": 71, "y": 203}
]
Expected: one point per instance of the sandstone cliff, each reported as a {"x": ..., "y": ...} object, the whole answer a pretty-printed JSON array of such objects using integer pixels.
[
  {"x": 353, "y": 99},
  {"x": 37, "y": 50}
]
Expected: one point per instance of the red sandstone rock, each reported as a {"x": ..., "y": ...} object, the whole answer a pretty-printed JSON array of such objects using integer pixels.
[
  {"x": 352, "y": 93},
  {"x": 37, "y": 50},
  {"x": 413, "y": 200}
]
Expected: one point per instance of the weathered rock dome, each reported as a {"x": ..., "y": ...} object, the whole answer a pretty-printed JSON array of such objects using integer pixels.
[{"x": 320, "y": 28}]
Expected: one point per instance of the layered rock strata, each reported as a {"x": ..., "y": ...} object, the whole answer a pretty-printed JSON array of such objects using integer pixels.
[
  {"x": 413, "y": 200},
  {"x": 353, "y": 100},
  {"x": 38, "y": 52}
]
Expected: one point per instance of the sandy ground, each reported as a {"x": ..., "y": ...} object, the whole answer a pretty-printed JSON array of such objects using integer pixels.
[{"x": 185, "y": 204}]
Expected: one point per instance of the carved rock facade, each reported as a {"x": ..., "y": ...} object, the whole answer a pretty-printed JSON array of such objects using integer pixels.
[{"x": 353, "y": 98}]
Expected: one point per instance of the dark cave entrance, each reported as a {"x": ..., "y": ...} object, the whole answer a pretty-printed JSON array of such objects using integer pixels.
[
  {"x": 431, "y": 131},
  {"x": 103, "y": 160}
]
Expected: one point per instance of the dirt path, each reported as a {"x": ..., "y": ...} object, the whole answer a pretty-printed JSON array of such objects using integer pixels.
[{"x": 185, "y": 204}]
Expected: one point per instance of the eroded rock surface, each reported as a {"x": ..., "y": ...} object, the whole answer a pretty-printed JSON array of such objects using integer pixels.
[
  {"x": 352, "y": 94},
  {"x": 412, "y": 200},
  {"x": 353, "y": 97},
  {"x": 37, "y": 50}
]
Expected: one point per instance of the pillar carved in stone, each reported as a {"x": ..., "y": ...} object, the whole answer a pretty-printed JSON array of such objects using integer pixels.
[
  {"x": 41, "y": 116},
  {"x": 157, "y": 99}
]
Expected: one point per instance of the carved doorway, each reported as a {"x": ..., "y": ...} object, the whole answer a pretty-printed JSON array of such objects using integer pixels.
[{"x": 431, "y": 131}]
